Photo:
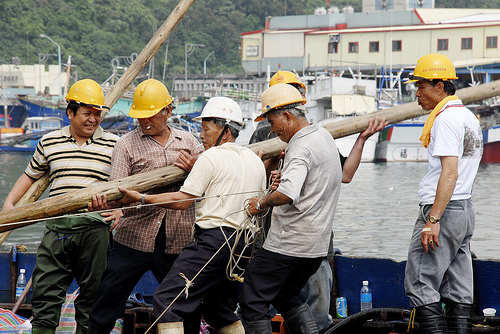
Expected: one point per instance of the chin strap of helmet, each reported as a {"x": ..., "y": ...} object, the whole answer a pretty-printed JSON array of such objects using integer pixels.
[{"x": 226, "y": 127}]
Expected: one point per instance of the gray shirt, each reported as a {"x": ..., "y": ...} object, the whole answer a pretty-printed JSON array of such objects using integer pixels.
[{"x": 311, "y": 177}]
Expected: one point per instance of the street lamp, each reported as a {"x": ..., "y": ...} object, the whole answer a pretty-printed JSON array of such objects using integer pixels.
[
  {"x": 59, "y": 57},
  {"x": 205, "y": 62},
  {"x": 186, "y": 53}
]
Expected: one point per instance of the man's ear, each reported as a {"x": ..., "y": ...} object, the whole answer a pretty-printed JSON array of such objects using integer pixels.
[
  {"x": 287, "y": 115},
  {"x": 169, "y": 110},
  {"x": 439, "y": 87}
]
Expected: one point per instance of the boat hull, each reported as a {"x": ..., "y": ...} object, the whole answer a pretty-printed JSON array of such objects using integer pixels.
[
  {"x": 400, "y": 143},
  {"x": 37, "y": 108},
  {"x": 491, "y": 149}
]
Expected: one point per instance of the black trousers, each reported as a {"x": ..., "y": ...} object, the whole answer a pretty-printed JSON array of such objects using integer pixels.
[
  {"x": 212, "y": 290},
  {"x": 273, "y": 278},
  {"x": 124, "y": 269}
]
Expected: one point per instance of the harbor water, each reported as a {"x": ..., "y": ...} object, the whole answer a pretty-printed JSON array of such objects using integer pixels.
[{"x": 375, "y": 213}]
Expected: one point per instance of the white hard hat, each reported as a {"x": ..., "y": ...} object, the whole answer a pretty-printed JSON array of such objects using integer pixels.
[{"x": 222, "y": 107}]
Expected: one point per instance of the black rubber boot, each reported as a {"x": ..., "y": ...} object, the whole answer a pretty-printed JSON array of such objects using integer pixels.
[
  {"x": 299, "y": 320},
  {"x": 459, "y": 318},
  {"x": 431, "y": 319},
  {"x": 258, "y": 327}
]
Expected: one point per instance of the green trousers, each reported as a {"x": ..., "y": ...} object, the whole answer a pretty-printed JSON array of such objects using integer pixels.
[{"x": 62, "y": 257}]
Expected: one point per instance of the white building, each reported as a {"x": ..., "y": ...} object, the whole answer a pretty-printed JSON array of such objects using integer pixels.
[{"x": 36, "y": 77}]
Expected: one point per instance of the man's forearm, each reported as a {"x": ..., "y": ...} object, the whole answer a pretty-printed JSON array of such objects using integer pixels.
[{"x": 274, "y": 199}]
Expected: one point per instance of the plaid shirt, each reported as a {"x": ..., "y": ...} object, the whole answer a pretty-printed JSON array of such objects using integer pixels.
[{"x": 136, "y": 153}]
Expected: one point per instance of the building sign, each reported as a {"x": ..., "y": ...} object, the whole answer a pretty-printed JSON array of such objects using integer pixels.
[{"x": 252, "y": 51}]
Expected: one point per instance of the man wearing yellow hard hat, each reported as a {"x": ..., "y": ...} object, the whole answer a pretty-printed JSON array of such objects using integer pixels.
[
  {"x": 439, "y": 267},
  {"x": 303, "y": 209},
  {"x": 149, "y": 237},
  {"x": 76, "y": 156},
  {"x": 316, "y": 292}
]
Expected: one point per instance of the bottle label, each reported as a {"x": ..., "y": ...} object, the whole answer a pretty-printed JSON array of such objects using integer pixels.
[
  {"x": 19, "y": 291},
  {"x": 366, "y": 297}
]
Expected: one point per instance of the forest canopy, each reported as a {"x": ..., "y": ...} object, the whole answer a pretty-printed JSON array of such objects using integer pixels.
[{"x": 94, "y": 32}]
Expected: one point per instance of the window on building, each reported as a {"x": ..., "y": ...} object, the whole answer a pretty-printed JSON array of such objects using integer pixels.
[
  {"x": 333, "y": 47},
  {"x": 396, "y": 45},
  {"x": 374, "y": 46},
  {"x": 353, "y": 47},
  {"x": 467, "y": 43},
  {"x": 442, "y": 44},
  {"x": 491, "y": 42}
]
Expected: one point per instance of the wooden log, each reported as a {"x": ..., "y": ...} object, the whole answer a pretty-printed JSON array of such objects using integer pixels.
[
  {"x": 148, "y": 52},
  {"x": 74, "y": 201},
  {"x": 34, "y": 192},
  {"x": 352, "y": 125}
]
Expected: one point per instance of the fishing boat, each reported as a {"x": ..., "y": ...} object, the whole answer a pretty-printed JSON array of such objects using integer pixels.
[
  {"x": 400, "y": 143},
  {"x": 25, "y": 139},
  {"x": 44, "y": 106},
  {"x": 12, "y": 113}
]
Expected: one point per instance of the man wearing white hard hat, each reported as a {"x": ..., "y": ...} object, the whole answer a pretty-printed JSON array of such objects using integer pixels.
[{"x": 225, "y": 175}]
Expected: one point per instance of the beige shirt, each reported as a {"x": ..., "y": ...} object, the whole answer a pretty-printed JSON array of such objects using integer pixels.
[{"x": 226, "y": 175}]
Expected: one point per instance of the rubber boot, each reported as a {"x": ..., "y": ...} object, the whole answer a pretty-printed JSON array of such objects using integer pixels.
[
  {"x": 299, "y": 320},
  {"x": 234, "y": 328},
  {"x": 431, "y": 319},
  {"x": 458, "y": 318},
  {"x": 258, "y": 327},
  {"x": 42, "y": 331},
  {"x": 171, "y": 328}
]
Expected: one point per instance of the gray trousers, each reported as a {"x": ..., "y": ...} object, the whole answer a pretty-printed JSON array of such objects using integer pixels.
[{"x": 445, "y": 273}]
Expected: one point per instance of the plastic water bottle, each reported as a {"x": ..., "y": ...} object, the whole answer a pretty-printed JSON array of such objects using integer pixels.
[
  {"x": 366, "y": 297},
  {"x": 21, "y": 283}
]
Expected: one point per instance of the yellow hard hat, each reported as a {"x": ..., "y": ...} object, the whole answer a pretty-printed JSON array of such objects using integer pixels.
[
  {"x": 150, "y": 97},
  {"x": 433, "y": 66},
  {"x": 285, "y": 77},
  {"x": 87, "y": 92},
  {"x": 279, "y": 95}
]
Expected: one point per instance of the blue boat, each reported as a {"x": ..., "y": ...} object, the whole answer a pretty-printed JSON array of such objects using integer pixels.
[
  {"x": 44, "y": 106},
  {"x": 25, "y": 139},
  {"x": 385, "y": 276}
]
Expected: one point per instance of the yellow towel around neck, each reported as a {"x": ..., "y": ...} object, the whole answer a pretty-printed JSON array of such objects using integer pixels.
[{"x": 425, "y": 138}]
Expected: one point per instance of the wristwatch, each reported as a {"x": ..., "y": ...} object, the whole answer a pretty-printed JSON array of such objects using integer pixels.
[
  {"x": 143, "y": 199},
  {"x": 433, "y": 220}
]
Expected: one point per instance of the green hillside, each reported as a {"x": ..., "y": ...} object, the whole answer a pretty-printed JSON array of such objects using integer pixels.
[{"x": 93, "y": 32}]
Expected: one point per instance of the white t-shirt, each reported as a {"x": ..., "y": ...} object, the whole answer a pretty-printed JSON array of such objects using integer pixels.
[
  {"x": 230, "y": 171},
  {"x": 456, "y": 132}
]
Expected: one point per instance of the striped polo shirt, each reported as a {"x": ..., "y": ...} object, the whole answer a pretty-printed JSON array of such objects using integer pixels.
[{"x": 71, "y": 166}]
